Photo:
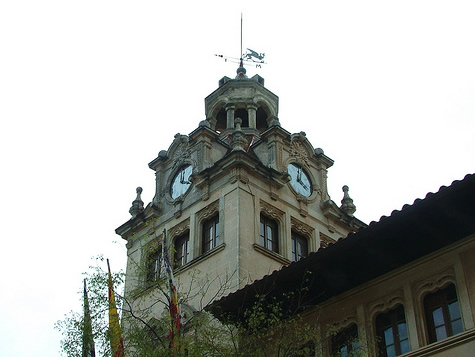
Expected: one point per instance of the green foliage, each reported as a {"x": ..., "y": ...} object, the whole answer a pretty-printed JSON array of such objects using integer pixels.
[
  {"x": 269, "y": 327},
  {"x": 71, "y": 327}
]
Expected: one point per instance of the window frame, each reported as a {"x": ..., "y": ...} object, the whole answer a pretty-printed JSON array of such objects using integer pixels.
[
  {"x": 209, "y": 241},
  {"x": 392, "y": 319},
  {"x": 153, "y": 266},
  {"x": 440, "y": 299},
  {"x": 296, "y": 240},
  {"x": 181, "y": 245},
  {"x": 346, "y": 337},
  {"x": 265, "y": 224}
]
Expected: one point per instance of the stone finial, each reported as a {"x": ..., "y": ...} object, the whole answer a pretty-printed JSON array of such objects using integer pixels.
[
  {"x": 137, "y": 204},
  {"x": 274, "y": 122},
  {"x": 238, "y": 138},
  {"x": 204, "y": 123},
  {"x": 347, "y": 203}
]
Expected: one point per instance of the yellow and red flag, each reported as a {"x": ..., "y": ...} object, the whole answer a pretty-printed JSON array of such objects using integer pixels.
[{"x": 117, "y": 343}]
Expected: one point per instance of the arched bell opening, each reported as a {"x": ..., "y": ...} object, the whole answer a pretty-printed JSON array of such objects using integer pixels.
[
  {"x": 261, "y": 119},
  {"x": 244, "y": 115},
  {"x": 220, "y": 120}
]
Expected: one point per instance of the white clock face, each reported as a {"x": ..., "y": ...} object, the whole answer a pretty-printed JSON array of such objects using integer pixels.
[
  {"x": 181, "y": 182},
  {"x": 299, "y": 180}
]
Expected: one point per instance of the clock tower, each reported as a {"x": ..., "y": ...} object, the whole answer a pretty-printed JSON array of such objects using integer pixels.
[{"x": 236, "y": 199}]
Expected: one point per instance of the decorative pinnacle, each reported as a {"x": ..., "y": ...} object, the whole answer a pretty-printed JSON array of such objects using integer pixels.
[
  {"x": 347, "y": 203},
  {"x": 137, "y": 204},
  {"x": 238, "y": 141}
]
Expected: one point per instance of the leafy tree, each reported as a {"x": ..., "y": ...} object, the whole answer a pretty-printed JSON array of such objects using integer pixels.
[
  {"x": 270, "y": 327},
  {"x": 72, "y": 326}
]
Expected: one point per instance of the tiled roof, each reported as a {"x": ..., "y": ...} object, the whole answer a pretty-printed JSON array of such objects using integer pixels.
[{"x": 416, "y": 230}]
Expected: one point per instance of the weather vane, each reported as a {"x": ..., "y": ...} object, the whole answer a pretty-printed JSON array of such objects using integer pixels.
[{"x": 250, "y": 56}]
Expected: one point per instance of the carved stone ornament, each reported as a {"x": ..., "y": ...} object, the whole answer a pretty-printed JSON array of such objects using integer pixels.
[
  {"x": 183, "y": 151},
  {"x": 435, "y": 282},
  {"x": 271, "y": 211},
  {"x": 386, "y": 303},
  {"x": 152, "y": 246},
  {"x": 301, "y": 228},
  {"x": 325, "y": 241},
  {"x": 179, "y": 229},
  {"x": 297, "y": 150},
  {"x": 340, "y": 325},
  {"x": 208, "y": 211}
]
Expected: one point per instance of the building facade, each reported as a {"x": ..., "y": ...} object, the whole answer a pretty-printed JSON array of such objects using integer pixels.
[{"x": 402, "y": 286}]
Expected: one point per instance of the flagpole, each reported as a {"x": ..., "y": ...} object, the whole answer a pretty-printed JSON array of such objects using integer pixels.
[
  {"x": 88, "y": 347},
  {"x": 116, "y": 341}
]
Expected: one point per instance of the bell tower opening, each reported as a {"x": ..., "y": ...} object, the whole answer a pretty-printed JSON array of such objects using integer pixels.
[
  {"x": 221, "y": 120},
  {"x": 244, "y": 115},
  {"x": 261, "y": 119}
]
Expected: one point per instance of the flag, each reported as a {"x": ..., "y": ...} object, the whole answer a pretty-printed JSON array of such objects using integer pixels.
[
  {"x": 88, "y": 348},
  {"x": 117, "y": 343},
  {"x": 174, "y": 310}
]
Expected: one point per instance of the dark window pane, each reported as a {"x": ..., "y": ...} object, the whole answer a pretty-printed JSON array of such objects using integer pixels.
[
  {"x": 405, "y": 346},
  {"x": 391, "y": 351},
  {"x": 402, "y": 329},
  {"x": 388, "y": 336},
  {"x": 440, "y": 333},
  {"x": 438, "y": 317},
  {"x": 454, "y": 311},
  {"x": 457, "y": 326}
]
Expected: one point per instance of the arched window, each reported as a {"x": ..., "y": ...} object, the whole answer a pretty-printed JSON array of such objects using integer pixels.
[
  {"x": 182, "y": 250},
  {"x": 442, "y": 314},
  {"x": 299, "y": 247},
  {"x": 211, "y": 233},
  {"x": 345, "y": 342},
  {"x": 269, "y": 234},
  {"x": 391, "y": 330},
  {"x": 153, "y": 266}
]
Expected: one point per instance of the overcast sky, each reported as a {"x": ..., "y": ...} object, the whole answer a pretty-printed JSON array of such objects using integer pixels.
[{"x": 91, "y": 91}]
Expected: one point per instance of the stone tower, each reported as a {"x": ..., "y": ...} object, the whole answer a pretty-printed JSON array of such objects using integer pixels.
[{"x": 237, "y": 198}]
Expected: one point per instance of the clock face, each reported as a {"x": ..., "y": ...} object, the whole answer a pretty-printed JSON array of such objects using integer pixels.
[
  {"x": 181, "y": 182},
  {"x": 299, "y": 180}
]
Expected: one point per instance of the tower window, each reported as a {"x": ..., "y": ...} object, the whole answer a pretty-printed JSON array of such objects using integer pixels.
[
  {"x": 211, "y": 234},
  {"x": 345, "y": 343},
  {"x": 182, "y": 251},
  {"x": 442, "y": 314},
  {"x": 153, "y": 266},
  {"x": 268, "y": 234},
  {"x": 391, "y": 329},
  {"x": 299, "y": 247}
]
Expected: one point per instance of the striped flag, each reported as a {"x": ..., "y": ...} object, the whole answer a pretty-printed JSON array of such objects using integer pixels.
[
  {"x": 88, "y": 348},
  {"x": 117, "y": 344},
  {"x": 174, "y": 312}
]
